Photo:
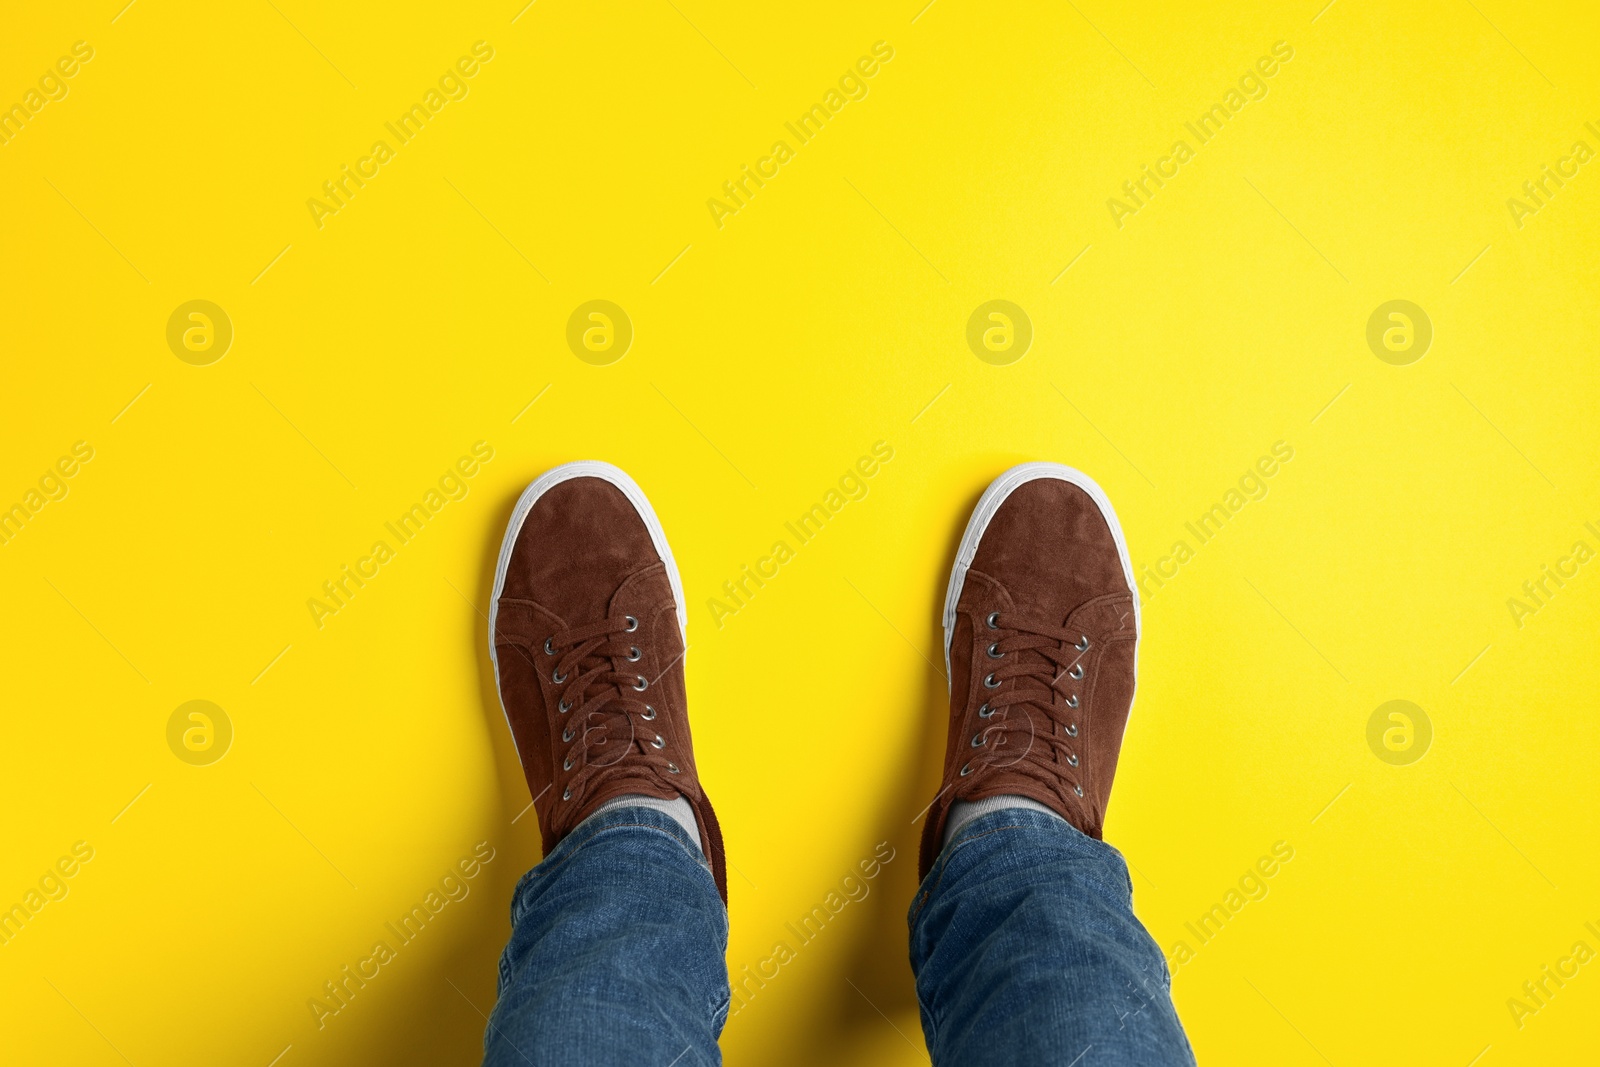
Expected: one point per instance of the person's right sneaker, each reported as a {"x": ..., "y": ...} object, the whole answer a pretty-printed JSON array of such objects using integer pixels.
[
  {"x": 1041, "y": 627},
  {"x": 586, "y": 632}
]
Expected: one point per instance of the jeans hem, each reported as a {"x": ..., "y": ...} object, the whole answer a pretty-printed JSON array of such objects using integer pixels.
[
  {"x": 994, "y": 822},
  {"x": 624, "y": 817}
]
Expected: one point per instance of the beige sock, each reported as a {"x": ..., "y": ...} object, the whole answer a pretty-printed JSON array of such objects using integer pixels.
[
  {"x": 964, "y": 811},
  {"x": 678, "y": 809}
]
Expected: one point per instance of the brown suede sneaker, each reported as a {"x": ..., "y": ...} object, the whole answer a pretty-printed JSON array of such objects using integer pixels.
[
  {"x": 1041, "y": 628},
  {"x": 586, "y": 631}
]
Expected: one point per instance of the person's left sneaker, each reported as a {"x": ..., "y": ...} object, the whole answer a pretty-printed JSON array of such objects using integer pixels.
[{"x": 586, "y": 630}]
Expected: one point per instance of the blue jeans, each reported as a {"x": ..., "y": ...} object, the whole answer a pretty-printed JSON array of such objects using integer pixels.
[{"x": 1023, "y": 941}]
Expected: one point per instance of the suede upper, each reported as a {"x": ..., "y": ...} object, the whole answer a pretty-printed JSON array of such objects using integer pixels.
[
  {"x": 590, "y": 656},
  {"x": 1041, "y": 661}
]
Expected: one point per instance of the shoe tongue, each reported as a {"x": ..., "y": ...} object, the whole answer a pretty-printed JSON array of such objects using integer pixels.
[
  {"x": 614, "y": 735},
  {"x": 1035, "y": 659},
  {"x": 618, "y": 762},
  {"x": 1023, "y": 735},
  {"x": 611, "y": 708},
  {"x": 1035, "y": 685}
]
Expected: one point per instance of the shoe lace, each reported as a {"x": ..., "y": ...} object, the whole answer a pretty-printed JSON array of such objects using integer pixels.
[
  {"x": 1030, "y": 726},
  {"x": 601, "y": 696}
]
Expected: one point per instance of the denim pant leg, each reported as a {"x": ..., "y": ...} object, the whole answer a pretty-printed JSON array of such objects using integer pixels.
[
  {"x": 617, "y": 950},
  {"x": 1027, "y": 951}
]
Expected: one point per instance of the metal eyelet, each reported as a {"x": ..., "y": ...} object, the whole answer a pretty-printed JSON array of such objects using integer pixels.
[
  {"x": 563, "y": 707},
  {"x": 1072, "y": 760},
  {"x": 989, "y": 682},
  {"x": 566, "y": 794},
  {"x": 993, "y": 620},
  {"x": 634, "y": 654},
  {"x": 966, "y": 770},
  {"x": 549, "y": 649},
  {"x": 566, "y": 735},
  {"x": 633, "y": 623},
  {"x": 648, "y": 714},
  {"x": 984, "y": 712},
  {"x": 641, "y": 685},
  {"x": 557, "y": 677},
  {"x": 1072, "y": 700},
  {"x": 1076, "y": 672},
  {"x": 659, "y": 742},
  {"x": 672, "y": 768},
  {"x": 978, "y": 740},
  {"x": 566, "y": 764},
  {"x": 1078, "y": 789},
  {"x": 995, "y": 653},
  {"x": 1072, "y": 730},
  {"x": 1083, "y": 644}
]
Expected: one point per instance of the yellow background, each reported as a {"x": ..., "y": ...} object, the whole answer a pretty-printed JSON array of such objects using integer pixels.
[{"x": 1228, "y": 314}]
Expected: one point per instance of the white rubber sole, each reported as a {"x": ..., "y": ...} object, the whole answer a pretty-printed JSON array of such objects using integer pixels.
[
  {"x": 1001, "y": 488},
  {"x": 584, "y": 468}
]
